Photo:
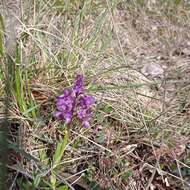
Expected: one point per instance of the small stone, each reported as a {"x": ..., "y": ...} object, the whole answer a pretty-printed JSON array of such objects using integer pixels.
[{"x": 152, "y": 69}]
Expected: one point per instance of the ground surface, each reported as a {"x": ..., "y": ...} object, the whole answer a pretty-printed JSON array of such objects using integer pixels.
[{"x": 135, "y": 57}]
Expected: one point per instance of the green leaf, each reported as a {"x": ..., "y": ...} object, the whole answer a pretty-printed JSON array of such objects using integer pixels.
[
  {"x": 100, "y": 137},
  {"x": 108, "y": 109},
  {"x": 60, "y": 149},
  {"x": 24, "y": 185},
  {"x": 36, "y": 181},
  {"x": 127, "y": 175},
  {"x": 65, "y": 187},
  {"x": 177, "y": 2},
  {"x": 99, "y": 117},
  {"x": 53, "y": 179}
]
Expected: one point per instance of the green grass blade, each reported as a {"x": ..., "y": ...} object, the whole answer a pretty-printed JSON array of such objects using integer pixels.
[
  {"x": 16, "y": 148},
  {"x": 96, "y": 30},
  {"x": 79, "y": 19},
  {"x": 1, "y": 36}
]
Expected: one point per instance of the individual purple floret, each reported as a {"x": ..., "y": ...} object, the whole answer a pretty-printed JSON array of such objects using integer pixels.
[
  {"x": 74, "y": 100},
  {"x": 78, "y": 86},
  {"x": 86, "y": 101}
]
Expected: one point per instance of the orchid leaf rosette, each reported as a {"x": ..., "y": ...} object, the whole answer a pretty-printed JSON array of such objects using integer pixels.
[{"x": 73, "y": 102}]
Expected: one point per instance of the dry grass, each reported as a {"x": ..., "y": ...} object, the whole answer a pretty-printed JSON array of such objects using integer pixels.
[{"x": 135, "y": 56}]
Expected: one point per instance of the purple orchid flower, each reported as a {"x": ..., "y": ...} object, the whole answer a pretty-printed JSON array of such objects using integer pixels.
[{"x": 73, "y": 99}]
